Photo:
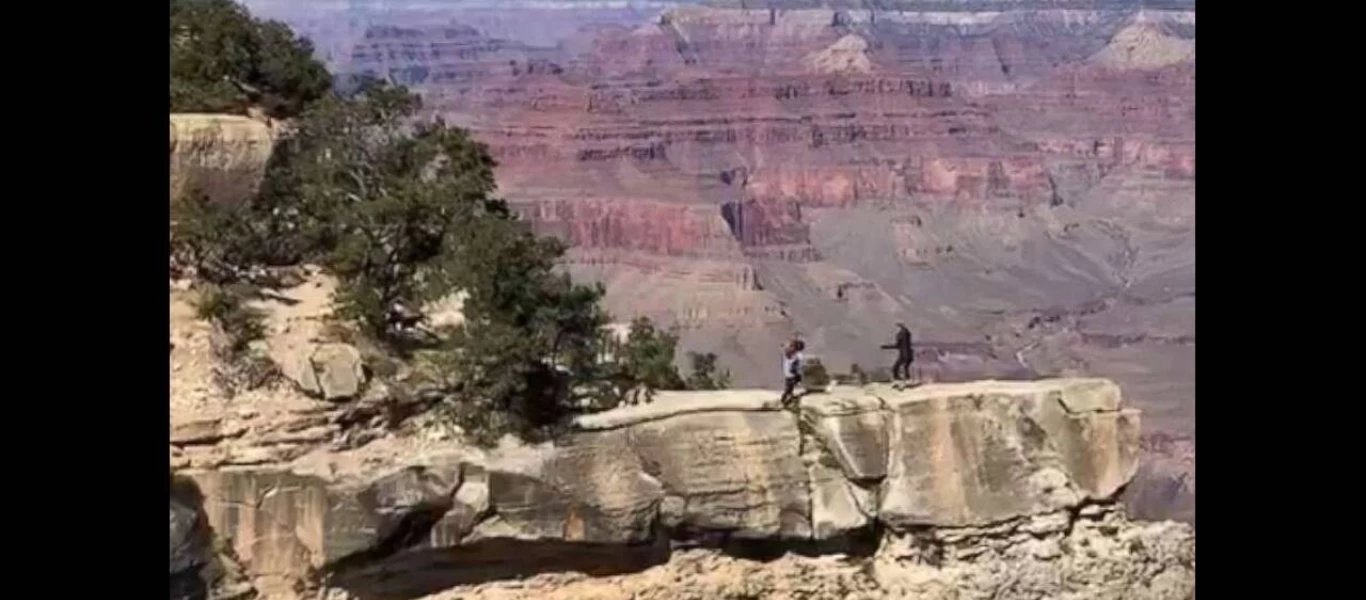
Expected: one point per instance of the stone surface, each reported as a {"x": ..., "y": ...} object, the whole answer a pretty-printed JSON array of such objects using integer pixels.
[
  {"x": 592, "y": 488},
  {"x": 734, "y": 471},
  {"x": 220, "y": 156},
  {"x": 668, "y": 404},
  {"x": 981, "y": 476},
  {"x": 1049, "y": 556},
  {"x": 852, "y": 424},
  {"x": 980, "y": 453},
  {"x": 838, "y": 505},
  {"x": 189, "y": 544}
]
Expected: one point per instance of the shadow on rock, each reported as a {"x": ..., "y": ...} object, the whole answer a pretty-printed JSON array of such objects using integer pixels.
[
  {"x": 419, "y": 572},
  {"x": 1164, "y": 486},
  {"x": 191, "y": 541},
  {"x": 200, "y": 569}
]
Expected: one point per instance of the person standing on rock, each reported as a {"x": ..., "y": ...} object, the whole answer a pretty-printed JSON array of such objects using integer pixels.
[
  {"x": 792, "y": 371},
  {"x": 905, "y": 355}
]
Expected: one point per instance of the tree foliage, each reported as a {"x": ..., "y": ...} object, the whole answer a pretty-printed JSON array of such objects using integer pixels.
[
  {"x": 530, "y": 337},
  {"x": 644, "y": 363},
  {"x": 402, "y": 210},
  {"x": 381, "y": 198},
  {"x": 224, "y": 61}
]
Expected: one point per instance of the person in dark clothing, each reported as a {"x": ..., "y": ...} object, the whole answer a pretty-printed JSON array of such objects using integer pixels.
[
  {"x": 792, "y": 371},
  {"x": 905, "y": 355}
]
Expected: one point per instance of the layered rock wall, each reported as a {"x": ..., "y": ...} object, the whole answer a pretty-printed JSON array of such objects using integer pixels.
[
  {"x": 941, "y": 469},
  {"x": 222, "y": 157}
]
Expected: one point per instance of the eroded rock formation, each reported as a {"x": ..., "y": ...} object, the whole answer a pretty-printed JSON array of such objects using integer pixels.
[
  {"x": 988, "y": 489},
  {"x": 222, "y": 157}
]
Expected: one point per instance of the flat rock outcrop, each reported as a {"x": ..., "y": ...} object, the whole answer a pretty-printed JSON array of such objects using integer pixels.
[
  {"x": 220, "y": 156},
  {"x": 937, "y": 487}
]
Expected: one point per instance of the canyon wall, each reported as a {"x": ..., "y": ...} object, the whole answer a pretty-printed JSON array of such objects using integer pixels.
[
  {"x": 1014, "y": 180},
  {"x": 988, "y": 489}
]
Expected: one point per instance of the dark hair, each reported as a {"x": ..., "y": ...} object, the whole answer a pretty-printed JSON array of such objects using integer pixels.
[{"x": 799, "y": 345}]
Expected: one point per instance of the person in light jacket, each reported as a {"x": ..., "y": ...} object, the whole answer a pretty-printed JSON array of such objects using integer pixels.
[{"x": 792, "y": 371}]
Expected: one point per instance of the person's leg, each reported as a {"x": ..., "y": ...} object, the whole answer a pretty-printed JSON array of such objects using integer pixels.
[
  {"x": 901, "y": 369},
  {"x": 789, "y": 385}
]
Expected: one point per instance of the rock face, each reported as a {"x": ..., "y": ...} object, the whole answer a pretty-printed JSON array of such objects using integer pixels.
[
  {"x": 328, "y": 371},
  {"x": 190, "y": 549},
  {"x": 966, "y": 480},
  {"x": 220, "y": 156}
]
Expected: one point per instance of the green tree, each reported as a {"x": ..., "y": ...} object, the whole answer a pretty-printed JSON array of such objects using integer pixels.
[
  {"x": 644, "y": 363},
  {"x": 380, "y": 198},
  {"x": 705, "y": 375},
  {"x": 530, "y": 338},
  {"x": 225, "y": 61},
  {"x": 216, "y": 240},
  {"x": 402, "y": 210}
]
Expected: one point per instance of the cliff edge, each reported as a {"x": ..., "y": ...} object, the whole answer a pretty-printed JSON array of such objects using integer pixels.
[{"x": 976, "y": 490}]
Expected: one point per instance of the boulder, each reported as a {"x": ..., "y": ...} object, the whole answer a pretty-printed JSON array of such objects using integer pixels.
[{"x": 332, "y": 372}]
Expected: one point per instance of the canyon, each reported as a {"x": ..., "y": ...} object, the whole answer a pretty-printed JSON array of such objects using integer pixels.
[
  {"x": 331, "y": 481},
  {"x": 1014, "y": 180}
]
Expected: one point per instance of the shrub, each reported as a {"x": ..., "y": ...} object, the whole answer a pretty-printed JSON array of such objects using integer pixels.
[
  {"x": 224, "y": 244},
  {"x": 857, "y": 375},
  {"x": 237, "y": 326},
  {"x": 705, "y": 375},
  {"x": 226, "y": 308},
  {"x": 640, "y": 365}
]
